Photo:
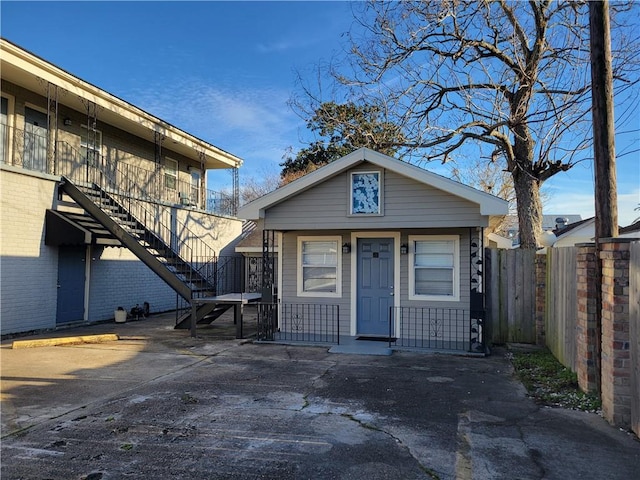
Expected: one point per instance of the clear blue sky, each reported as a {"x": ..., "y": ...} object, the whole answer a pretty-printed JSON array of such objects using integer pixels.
[{"x": 224, "y": 71}]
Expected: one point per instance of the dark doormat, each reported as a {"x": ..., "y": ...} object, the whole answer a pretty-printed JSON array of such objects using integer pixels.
[{"x": 376, "y": 339}]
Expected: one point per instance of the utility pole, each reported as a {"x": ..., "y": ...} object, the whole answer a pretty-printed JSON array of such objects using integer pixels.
[
  {"x": 603, "y": 121},
  {"x": 604, "y": 153}
]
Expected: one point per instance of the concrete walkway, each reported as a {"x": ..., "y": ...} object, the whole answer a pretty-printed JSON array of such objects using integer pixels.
[{"x": 159, "y": 404}]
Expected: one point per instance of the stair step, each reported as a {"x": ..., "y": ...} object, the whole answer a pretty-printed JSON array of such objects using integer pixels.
[{"x": 179, "y": 271}]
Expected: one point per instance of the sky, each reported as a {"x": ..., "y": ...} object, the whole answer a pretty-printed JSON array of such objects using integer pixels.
[{"x": 224, "y": 72}]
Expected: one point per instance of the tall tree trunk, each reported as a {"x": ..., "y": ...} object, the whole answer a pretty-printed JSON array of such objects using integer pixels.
[{"x": 529, "y": 208}]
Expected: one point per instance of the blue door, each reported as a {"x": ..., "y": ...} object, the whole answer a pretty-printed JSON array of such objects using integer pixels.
[
  {"x": 71, "y": 267},
  {"x": 375, "y": 286}
]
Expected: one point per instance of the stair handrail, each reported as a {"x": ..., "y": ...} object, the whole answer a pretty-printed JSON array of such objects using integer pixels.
[{"x": 190, "y": 250}]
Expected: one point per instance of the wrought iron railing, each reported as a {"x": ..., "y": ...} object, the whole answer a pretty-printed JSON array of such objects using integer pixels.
[
  {"x": 228, "y": 275},
  {"x": 150, "y": 224},
  {"x": 33, "y": 151},
  {"x": 436, "y": 329},
  {"x": 160, "y": 226},
  {"x": 293, "y": 322}
]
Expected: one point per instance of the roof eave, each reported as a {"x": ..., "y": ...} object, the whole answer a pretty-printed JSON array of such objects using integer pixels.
[
  {"x": 31, "y": 64},
  {"x": 489, "y": 204}
]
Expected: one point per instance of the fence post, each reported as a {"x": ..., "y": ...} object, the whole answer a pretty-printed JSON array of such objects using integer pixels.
[
  {"x": 541, "y": 297},
  {"x": 634, "y": 334},
  {"x": 490, "y": 297},
  {"x": 586, "y": 349},
  {"x": 616, "y": 355}
]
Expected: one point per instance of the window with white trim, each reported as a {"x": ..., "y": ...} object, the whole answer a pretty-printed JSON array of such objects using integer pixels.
[
  {"x": 195, "y": 187},
  {"x": 4, "y": 130},
  {"x": 170, "y": 174},
  {"x": 434, "y": 272},
  {"x": 319, "y": 266},
  {"x": 91, "y": 144}
]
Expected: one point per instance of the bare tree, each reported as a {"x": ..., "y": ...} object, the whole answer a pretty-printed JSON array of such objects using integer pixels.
[
  {"x": 498, "y": 80},
  {"x": 254, "y": 187}
]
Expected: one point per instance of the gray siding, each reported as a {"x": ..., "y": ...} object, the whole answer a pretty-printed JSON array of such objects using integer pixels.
[
  {"x": 117, "y": 145},
  {"x": 407, "y": 204},
  {"x": 288, "y": 294}
]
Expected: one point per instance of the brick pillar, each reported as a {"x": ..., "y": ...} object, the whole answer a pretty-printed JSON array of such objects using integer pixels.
[
  {"x": 586, "y": 323},
  {"x": 616, "y": 354},
  {"x": 541, "y": 297}
]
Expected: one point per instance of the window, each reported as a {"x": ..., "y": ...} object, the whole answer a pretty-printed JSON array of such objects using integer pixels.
[
  {"x": 170, "y": 174},
  {"x": 36, "y": 140},
  {"x": 195, "y": 187},
  {"x": 91, "y": 144},
  {"x": 365, "y": 193},
  {"x": 434, "y": 267},
  {"x": 4, "y": 129},
  {"x": 319, "y": 266}
]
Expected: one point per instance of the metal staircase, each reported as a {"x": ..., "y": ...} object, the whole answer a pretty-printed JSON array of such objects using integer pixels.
[
  {"x": 190, "y": 277},
  {"x": 123, "y": 209},
  {"x": 205, "y": 314}
]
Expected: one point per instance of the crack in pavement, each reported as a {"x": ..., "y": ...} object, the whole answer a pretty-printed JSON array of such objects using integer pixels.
[{"x": 432, "y": 473}]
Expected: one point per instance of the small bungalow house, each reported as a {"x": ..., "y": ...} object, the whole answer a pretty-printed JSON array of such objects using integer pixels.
[
  {"x": 371, "y": 247},
  {"x": 103, "y": 204}
]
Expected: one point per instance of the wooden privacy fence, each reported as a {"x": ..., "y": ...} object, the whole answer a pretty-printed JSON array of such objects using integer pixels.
[
  {"x": 511, "y": 295},
  {"x": 549, "y": 298},
  {"x": 561, "y": 308}
]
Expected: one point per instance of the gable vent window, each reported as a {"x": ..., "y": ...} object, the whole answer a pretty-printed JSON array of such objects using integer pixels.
[{"x": 365, "y": 193}]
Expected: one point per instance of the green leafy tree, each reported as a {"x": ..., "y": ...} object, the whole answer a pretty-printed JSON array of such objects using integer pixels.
[{"x": 342, "y": 128}]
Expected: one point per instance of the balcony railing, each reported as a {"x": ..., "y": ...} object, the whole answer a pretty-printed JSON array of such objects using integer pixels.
[{"x": 31, "y": 150}]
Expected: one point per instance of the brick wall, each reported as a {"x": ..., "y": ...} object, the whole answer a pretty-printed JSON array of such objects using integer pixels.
[
  {"x": 28, "y": 270},
  {"x": 119, "y": 279},
  {"x": 616, "y": 357},
  {"x": 586, "y": 324}
]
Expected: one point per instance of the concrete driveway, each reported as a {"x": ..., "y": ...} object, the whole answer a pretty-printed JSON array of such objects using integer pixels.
[{"x": 159, "y": 404}]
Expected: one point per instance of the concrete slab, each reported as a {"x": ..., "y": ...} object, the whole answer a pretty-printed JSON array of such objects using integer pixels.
[
  {"x": 159, "y": 404},
  {"x": 354, "y": 346}
]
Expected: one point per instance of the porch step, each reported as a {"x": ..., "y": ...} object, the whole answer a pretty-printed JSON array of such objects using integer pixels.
[{"x": 351, "y": 346}]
